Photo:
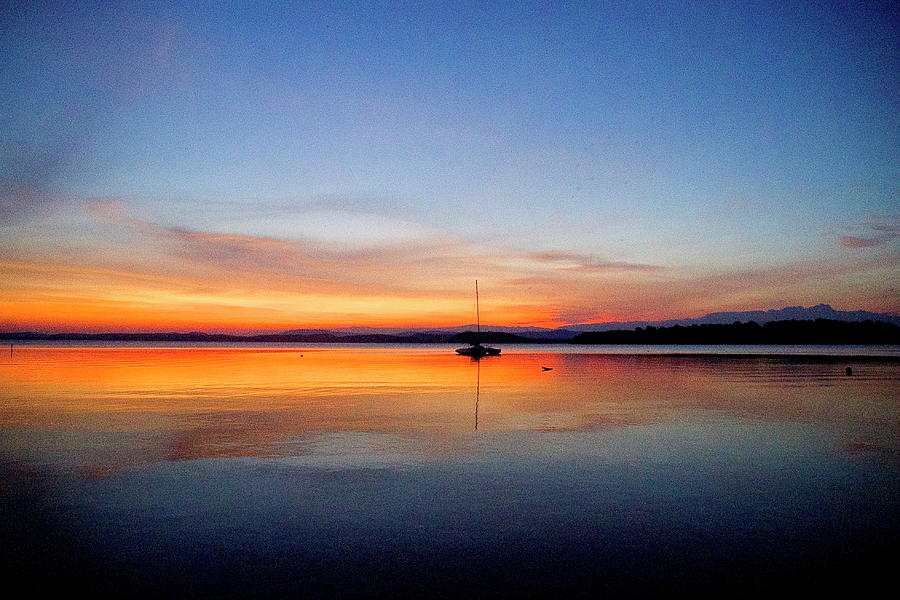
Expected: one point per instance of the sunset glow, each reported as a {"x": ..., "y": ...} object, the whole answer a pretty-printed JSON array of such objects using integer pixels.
[
  {"x": 453, "y": 299},
  {"x": 175, "y": 173}
]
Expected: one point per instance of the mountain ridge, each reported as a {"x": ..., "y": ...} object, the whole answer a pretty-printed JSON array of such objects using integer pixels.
[
  {"x": 566, "y": 332},
  {"x": 445, "y": 334},
  {"x": 788, "y": 313}
]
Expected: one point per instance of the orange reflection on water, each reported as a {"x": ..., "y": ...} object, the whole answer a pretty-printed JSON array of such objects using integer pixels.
[
  {"x": 149, "y": 374},
  {"x": 186, "y": 403}
]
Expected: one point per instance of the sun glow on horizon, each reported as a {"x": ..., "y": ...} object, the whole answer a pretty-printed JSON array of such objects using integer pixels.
[{"x": 161, "y": 169}]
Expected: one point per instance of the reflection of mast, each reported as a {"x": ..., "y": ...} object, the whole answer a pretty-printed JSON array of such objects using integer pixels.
[{"x": 477, "y": 390}]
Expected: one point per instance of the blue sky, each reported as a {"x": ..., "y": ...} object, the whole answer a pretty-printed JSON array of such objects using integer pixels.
[{"x": 705, "y": 138}]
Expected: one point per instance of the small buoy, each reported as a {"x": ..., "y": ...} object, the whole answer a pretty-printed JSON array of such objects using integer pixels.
[
  {"x": 546, "y": 368},
  {"x": 848, "y": 371}
]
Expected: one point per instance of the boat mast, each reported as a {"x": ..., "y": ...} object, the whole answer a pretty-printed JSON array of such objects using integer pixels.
[{"x": 477, "y": 313}]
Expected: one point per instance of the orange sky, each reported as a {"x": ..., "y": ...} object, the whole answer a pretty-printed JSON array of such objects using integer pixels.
[
  {"x": 161, "y": 168},
  {"x": 105, "y": 269}
]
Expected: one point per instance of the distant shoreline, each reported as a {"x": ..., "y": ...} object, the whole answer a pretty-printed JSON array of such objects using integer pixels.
[
  {"x": 775, "y": 333},
  {"x": 795, "y": 353}
]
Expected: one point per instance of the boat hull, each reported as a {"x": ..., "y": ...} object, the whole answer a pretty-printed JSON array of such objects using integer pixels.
[{"x": 477, "y": 351}]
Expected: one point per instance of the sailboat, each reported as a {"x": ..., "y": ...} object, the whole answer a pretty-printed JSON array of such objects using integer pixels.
[{"x": 475, "y": 349}]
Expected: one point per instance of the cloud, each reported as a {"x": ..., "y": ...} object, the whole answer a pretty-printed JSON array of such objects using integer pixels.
[
  {"x": 887, "y": 226},
  {"x": 336, "y": 226},
  {"x": 396, "y": 263},
  {"x": 573, "y": 261},
  {"x": 118, "y": 270},
  {"x": 879, "y": 232},
  {"x": 849, "y": 241},
  {"x": 863, "y": 282},
  {"x": 432, "y": 276}
]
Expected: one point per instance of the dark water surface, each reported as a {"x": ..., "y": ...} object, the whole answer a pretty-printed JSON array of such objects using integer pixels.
[{"x": 234, "y": 472}]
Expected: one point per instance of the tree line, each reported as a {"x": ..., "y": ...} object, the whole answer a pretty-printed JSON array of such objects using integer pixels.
[{"x": 819, "y": 331}]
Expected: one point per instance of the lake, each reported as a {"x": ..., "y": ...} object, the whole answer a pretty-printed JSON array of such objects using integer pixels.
[{"x": 366, "y": 471}]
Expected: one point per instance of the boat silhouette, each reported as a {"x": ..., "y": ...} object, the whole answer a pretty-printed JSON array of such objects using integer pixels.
[{"x": 476, "y": 349}]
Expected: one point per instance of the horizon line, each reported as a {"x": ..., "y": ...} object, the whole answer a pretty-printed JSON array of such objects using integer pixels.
[{"x": 232, "y": 331}]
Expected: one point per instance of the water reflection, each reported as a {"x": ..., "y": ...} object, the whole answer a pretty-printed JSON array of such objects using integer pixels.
[
  {"x": 477, "y": 389},
  {"x": 185, "y": 404},
  {"x": 354, "y": 471}
]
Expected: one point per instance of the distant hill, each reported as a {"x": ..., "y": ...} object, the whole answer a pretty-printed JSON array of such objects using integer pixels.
[
  {"x": 819, "y": 331},
  {"x": 567, "y": 332},
  {"x": 445, "y": 333},
  {"x": 462, "y": 333},
  {"x": 307, "y": 332},
  {"x": 497, "y": 337},
  {"x": 797, "y": 313}
]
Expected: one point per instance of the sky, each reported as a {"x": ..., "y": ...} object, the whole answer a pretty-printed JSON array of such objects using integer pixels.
[{"x": 265, "y": 166}]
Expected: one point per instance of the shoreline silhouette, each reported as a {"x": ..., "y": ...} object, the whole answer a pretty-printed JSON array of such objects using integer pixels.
[{"x": 790, "y": 332}]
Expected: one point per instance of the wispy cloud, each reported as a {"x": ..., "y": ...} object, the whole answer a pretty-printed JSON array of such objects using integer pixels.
[
  {"x": 879, "y": 232},
  {"x": 126, "y": 271},
  {"x": 682, "y": 293},
  {"x": 436, "y": 262},
  {"x": 849, "y": 241},
  {"x": 576, "y": 262}
]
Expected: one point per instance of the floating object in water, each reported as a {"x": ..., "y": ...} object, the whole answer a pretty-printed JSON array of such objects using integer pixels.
[
  {"x": 478, "y": 351},
  {"x": 546, "y": 368},
  {"x": 848, "y": 371},
  {"x": 475, "y": 349}
]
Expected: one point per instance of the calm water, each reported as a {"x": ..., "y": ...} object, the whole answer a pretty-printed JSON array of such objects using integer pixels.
[{"x": 385, "y": 471}]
